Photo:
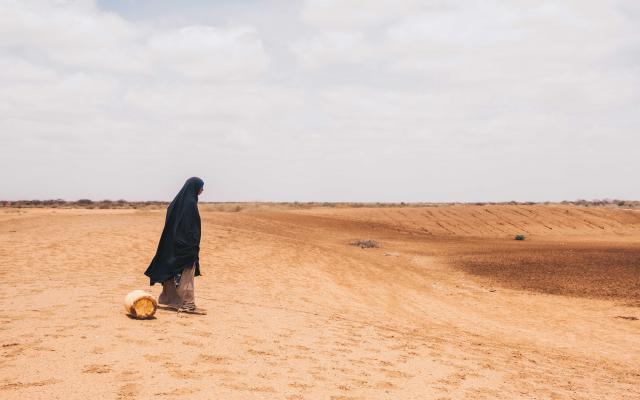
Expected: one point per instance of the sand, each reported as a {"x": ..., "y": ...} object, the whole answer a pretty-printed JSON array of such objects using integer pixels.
[{"x": 450, "y": 307}]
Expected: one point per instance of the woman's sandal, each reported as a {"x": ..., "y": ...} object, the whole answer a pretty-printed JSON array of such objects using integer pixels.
[
  {"x": 168, "y": 307},
  {"x": 192, "y": 310}
]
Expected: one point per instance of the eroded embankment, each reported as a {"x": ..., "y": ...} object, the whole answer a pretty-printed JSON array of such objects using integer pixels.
[
  {"x": 496, "y": 221},
  {"x": 569, "y": 250}
]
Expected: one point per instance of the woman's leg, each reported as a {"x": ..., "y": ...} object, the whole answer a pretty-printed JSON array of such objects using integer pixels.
[
  {"x": 169, "y": 296},
  {"x": 186, "y": 288},
  {"x": 187, "y": 292}
]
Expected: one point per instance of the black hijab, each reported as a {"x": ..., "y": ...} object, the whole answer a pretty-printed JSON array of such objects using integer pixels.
[{"x": 179, "y": 245}]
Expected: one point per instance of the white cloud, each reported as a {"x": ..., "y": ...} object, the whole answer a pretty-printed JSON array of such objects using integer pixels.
[
  {"x": 79, "y": 36},
  {"x": 430, "y": 97},
  {"x": 330, "y": 47},
  {"x": 14, "y": 69},
  {"x": 483, "y": 58},
  {"x": 205, "y": 52},
  {"x": 74, "y": 59},
  {"x": 72, "y": 35},
  {"x": 359, "y": 14}
]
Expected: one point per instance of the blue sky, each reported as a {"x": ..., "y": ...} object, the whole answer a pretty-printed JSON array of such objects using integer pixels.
[{"x": 320, "y": 100}]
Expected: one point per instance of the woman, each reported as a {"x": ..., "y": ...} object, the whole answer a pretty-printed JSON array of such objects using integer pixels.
[{"x": 177, "y": 259}]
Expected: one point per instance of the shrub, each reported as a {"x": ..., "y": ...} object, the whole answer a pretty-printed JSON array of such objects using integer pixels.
[
  {"x": 519, "y": 237},
  {"x": 365, "y": 244}
]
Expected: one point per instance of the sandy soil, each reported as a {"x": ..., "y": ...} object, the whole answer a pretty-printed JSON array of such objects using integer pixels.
[{"x": 450, "y": 307}]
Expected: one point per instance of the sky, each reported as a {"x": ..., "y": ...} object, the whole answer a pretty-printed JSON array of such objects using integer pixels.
[{"x": 334, "y": 100}]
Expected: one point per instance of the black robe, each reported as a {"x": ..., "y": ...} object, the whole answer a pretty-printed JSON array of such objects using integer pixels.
[{"x": 179, "y": 245}]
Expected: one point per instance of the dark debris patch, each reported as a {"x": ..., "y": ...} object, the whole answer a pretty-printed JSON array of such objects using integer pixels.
[{"x": 365, "y": 244}]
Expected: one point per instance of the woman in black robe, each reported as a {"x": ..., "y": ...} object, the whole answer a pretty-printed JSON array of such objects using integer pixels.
[{"x": 176, "y": 262}]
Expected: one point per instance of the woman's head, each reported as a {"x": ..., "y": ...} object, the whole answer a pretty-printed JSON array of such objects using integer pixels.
[{"x": 195, "y": 185}]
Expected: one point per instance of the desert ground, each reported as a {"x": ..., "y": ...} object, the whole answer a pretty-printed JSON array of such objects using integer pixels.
[{"x": 449, "y": 306}]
